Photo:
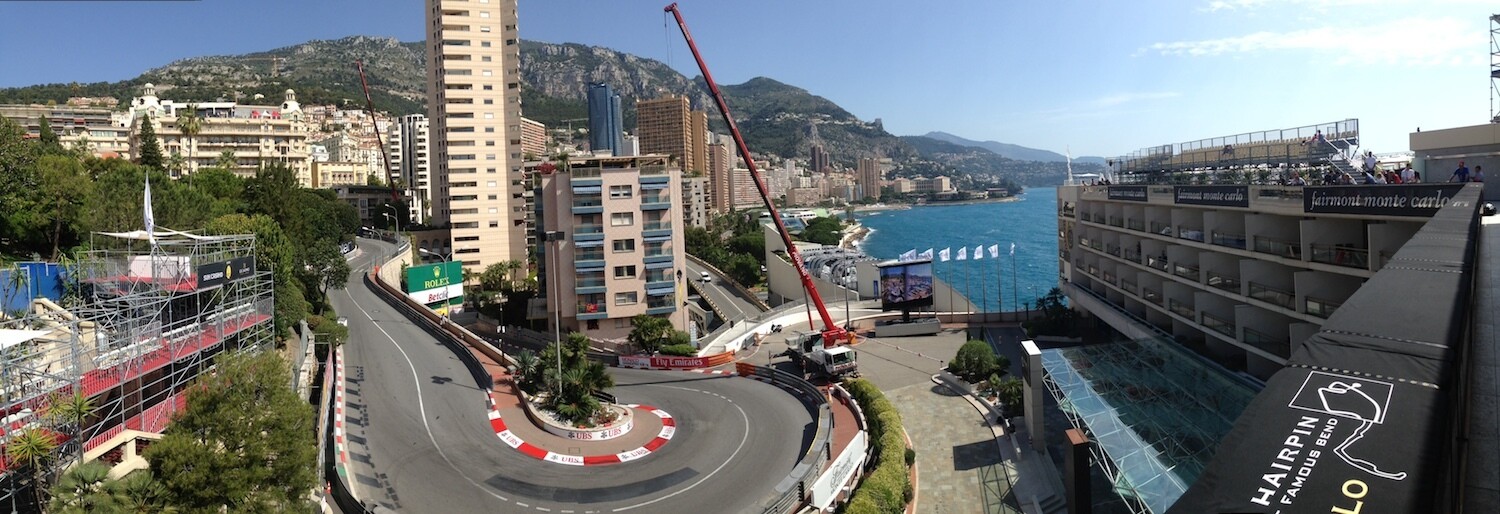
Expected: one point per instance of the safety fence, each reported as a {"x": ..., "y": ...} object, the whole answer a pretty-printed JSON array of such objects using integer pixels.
[{"x": 793, "y": 490}]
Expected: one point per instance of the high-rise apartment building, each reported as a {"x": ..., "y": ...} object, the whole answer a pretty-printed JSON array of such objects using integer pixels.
[
  {"x": 867, "y": 177},
  {"x": 622, "y": 249},
  {"x": 665, "y": 126},
  {"x": 533, "y": 138},
  {"x": 720, "y": 183},
  {"x": 410, "y": 159},
  {"x": 102, "y": 132},
  {"x": 606, "y": 123},
  {"x": 818, "y": 159},
  {"x": 698, "y": 136},
  {"x": 743, "y": 193},
  {"x": 695, "y": 201},
  {"x": 474, "y": 113}
]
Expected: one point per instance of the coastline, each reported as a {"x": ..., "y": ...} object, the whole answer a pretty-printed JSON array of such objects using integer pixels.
[{"x": 854, "y": 234}]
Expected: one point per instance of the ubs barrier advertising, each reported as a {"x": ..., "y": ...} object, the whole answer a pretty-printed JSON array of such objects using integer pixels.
[
  {"x": 1387, "y": 200},
  {"x": 1131, "y": 193},
  {"x": 224, "y": 272},
  {"x": 1216, "y": 196},
  {"x": 441, "y": 284}
]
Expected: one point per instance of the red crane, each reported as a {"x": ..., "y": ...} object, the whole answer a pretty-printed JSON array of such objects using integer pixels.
[
  {"x": 370, "y": 106},
  {"x": 832, "y": 333}
]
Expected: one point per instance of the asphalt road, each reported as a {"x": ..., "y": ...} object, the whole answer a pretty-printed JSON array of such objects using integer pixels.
[
  {"x": 722, "y": 294},
  {"x": 420, "y": 440}
]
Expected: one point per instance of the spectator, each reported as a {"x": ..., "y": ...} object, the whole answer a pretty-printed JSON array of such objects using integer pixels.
[
  {"x": 1297, "y": 180},
  {"x": 1478, "y": 174},
  {"x": 1461, "y": 174},
  {"x": 1370, "y": 161},
  {"x": 1367, "y": 178},
  {"x": 1407, "y": 175}
]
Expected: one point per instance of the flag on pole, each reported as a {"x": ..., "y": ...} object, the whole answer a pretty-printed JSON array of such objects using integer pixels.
[
  {"x": 994, "y": 251},
  {"x": 909, "y": 255},
  {"x": 962, "y": 251},
  {"x": 943, "y": 255},
  {"x": 927, "y": 255},
  {"x": 1012, "y": 249},
  {"x": 150, "y": 218},
  {"x": 978, "y": 252}
]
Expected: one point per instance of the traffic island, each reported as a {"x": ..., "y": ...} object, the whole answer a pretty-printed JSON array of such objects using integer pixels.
[
  {"x": 617, "y": 421},
  {"x": 649, "y": 430}
]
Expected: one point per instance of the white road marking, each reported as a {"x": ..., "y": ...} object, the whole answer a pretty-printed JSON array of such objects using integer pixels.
[{"x": 746, "y": 437}]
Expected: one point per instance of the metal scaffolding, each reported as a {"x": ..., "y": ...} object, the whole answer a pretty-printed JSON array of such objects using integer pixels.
[{"x": 141, "y": 318}]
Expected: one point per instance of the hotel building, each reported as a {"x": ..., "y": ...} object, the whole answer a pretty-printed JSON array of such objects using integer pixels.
[
  {"x": 255, "y": 135},
  {"x": 621, "y": 251},
  {"x": 474, "y": 104}
]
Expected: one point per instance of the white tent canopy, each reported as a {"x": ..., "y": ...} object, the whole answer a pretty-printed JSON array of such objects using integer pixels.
[{"x": 11, "y": 337}]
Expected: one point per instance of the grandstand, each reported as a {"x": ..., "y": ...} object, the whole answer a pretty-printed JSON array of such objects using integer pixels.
[
  {"x": 140, "y": 319},
  {"x": 1319, "y": 147}
]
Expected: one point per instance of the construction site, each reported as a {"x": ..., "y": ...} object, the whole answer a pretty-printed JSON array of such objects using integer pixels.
[{"x": 132, "y": 322}]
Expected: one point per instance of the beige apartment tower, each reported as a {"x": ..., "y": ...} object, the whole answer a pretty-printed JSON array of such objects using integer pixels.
[
  {"x": 474, "y": 115},
  {"x": 665, "y": 126},
  {"x": 720, "y": 162}
]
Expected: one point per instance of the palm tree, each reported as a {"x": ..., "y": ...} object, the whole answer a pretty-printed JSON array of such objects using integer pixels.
[
  {"x": 86, "y": 488},
  {"x": 190, "y": 125},
  {"x": 225, "y": 160},
  {"x": 68, "y": 414},
  {"x": 33, "y": 447},
  {"x": 513, "y": 266},
  {"x": 140, "y": 493},
  {"x": 526, "y": 371}
]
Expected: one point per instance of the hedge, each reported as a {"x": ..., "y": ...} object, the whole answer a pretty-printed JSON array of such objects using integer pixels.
[
  {"x": 885, "y": 489},
  {"x": 680, "y": 350}
]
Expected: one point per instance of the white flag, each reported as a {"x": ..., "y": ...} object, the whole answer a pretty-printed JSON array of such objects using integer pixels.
[
  {"x": 909, "y": 255},
  {"x": 1012, "y": 249},
  {"x": 995, "y": 251},
  {"x": 927, "y": 255},
  {"x": 962, "y": 251},
  {"x": 150, "y": 218},
  {"x": 978, "y": 252},
  {"x": 943, "y": 255}
]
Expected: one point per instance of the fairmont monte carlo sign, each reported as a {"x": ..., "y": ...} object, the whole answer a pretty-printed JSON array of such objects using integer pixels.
[{"x": 1379, "y": 200}]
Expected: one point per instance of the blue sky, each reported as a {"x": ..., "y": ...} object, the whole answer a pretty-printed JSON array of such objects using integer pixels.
[{"x": 1103, "y": 78}]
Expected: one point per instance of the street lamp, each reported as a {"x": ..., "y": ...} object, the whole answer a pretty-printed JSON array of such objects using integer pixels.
[
  {"x": 556, "y": 237},
  {"x": 395, "y": 216}
]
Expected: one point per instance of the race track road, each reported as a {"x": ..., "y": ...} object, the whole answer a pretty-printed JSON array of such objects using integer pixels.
[{"x": 420, "y": 440}]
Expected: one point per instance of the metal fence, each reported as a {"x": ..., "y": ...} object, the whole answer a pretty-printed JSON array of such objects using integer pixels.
[{"x": 791, "y": 491}]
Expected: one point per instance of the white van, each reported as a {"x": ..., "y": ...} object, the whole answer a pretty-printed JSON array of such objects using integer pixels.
[{"x": 706, "y": 277}]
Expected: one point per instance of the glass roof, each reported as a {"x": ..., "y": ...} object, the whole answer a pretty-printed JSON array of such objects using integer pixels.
[{"x": 1155, "y": 410}]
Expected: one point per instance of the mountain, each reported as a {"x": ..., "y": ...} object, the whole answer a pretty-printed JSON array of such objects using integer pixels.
[
  {"x": 943, "y": 157},
  {"x": 1016, "y": 152}
]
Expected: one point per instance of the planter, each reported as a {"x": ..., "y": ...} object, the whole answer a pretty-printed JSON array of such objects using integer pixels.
[{"x": 623, "y": 423}]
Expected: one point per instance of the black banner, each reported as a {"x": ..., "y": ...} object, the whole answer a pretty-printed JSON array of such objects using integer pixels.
[
  {"x": 1382, "y": 200},
  {"x": 224, "y": 272},
  {"x": 1131, "y": 193},
  {"x": 1217, "y": 196}
]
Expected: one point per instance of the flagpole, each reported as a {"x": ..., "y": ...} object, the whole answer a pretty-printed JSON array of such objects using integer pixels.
[
  {"x": 969, "y": 307},
  {"x": 1014, "y": 290},
  {"x": 999, "y": 284}
]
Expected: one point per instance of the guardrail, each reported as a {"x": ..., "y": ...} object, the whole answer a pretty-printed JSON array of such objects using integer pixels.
[
  {"x": 746, "y": 293},
  {"x": 793, "y": 490}
]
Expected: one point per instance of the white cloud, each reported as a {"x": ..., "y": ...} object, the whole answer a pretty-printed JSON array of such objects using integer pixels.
[
  {"x": 1104, "y": 106},
  {"x": 1415, "y": 41}
]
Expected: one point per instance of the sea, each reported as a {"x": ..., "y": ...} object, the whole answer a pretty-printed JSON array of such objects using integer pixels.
[{"x": 1030, "y": 223}]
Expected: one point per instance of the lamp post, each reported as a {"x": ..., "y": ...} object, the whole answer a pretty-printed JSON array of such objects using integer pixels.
[
  {"x": 395, "y": 216},
  {"x": 556, "y": 238}
]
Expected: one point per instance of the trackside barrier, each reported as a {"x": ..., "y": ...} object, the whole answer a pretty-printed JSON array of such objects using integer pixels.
[
  {"x": 746, "y": 293},
  {"x": 793, "y": 490}
]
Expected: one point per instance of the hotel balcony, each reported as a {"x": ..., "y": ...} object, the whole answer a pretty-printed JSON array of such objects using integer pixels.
[
  {"x": 1278, "y": 247},
  {"x": 591, "y": 204},
  {"x": 1341, "y": 255},
  {"x": 656, "y": 202},
  {"x": 1218, "y": 324},
  {"x": 656, "y": 228},
  {"x": 1320, "y": 307},
  {"x": 1274, "y": 296}
]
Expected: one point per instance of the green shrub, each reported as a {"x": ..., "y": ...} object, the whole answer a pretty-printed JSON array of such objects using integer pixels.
[
  {"x": 911, "y": 456},
  {"x": 887, "y": 488},
  {"x": 975, "y": 361},
  {"x": 680, "y": 350}
]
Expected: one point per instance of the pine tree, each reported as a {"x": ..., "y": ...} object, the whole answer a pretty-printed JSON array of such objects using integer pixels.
[
  {"x": 150, "y": 151},
  {"x": 50, "y": 142}
]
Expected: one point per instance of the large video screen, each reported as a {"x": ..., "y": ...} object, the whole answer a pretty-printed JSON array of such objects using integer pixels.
[{"x": 906, "y": 285}]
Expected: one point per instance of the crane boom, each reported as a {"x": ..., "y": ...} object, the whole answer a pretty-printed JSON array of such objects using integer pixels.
[
  {"x": 370, "y": 106},
  {"x": 832, "y": 333}
]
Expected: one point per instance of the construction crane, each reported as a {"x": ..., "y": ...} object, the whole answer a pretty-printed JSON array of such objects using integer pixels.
[
  {"x": 832, "y": 334},
  {"x": 384, "y": 155}
]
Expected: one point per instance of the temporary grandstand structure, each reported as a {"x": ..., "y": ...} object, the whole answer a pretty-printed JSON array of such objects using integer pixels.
[
  {"x": 153, "y": 311},
  {"x": 1331, "y": 144}
]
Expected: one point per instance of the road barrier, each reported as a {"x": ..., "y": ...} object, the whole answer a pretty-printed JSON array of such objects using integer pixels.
[
  {"x": 746, "y": 293},
  {"x": 792, "y": 492}
]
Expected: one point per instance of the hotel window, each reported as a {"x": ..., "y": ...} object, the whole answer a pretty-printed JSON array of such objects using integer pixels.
[
  {"x": 626, "y": 298},
  {"x": 483, "y": 28},
  {"x": 625, "y": 271},
  {"x": 622, "y": 219},
  {"x": 484, "y": 14},
  {"x": 624, "y": 245}
]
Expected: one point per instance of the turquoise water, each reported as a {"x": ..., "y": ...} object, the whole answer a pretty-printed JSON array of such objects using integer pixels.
[{"x": 1030, "y": 223}]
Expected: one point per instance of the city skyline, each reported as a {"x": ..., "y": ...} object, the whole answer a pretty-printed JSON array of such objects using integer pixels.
[{"x": 1101, "y": 80}]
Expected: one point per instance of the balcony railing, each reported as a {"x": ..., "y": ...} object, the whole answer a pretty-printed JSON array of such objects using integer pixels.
[
  {"x": 1224, "y": 282},
  {"x": 1132, "y": 256},
  {"x": 588, "y": 229},
  {"x": 592, "y": 201},
  {"x": 1278, "y": 247},
  {"x": 1116, "y": 221},
  {"x": 1135, "y": 224},
  {"x": 588, "y": 256},
  {"x": 1093, "y": 270},
  {"x": 659, "y": 276},
  {"x": 1066, "y": 211},
  {"x": 1161, "y": 228},
  {"x": 1190, "y": 234},
  {"x": 1218, "y": 325},
  {"x": 1179, "y": 308},
  {"x": 1085, "y": 242},
  {"x": 589, "y": 282},
  {"x": 657, "y": 225},
  {"x": 1157, "y": 262},
  {"x": 1278, "y": 346},
  {"x": 1109, "y": 277},
  {"x": 1128, "y": 286},
  {"x": 578, "y": 173},
  {"x": 657, "y": 251},
  {"x": 1320, "y": 307},
  {"x": 1229, "y": 240},
  {"x": 1340, "y": 255},
  {"x": 1064, "y": 254},
  {"x": 590, "y": 308},
  {"x": 1112, "y": 250},
  {"x": 1273, "y": 296},
  {"x": 653, "y": 169},
  {"x": 1151, "y": 295},
  {"x": 1188, "y": 272}
]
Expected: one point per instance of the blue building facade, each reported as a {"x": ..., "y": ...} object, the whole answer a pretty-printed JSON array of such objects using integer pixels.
[{"x": 606, "y": 123}]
